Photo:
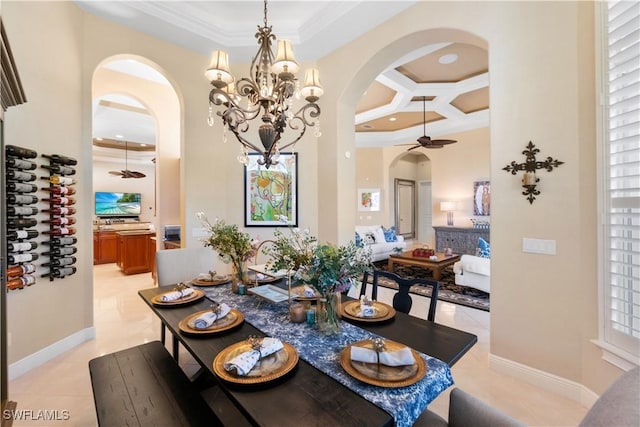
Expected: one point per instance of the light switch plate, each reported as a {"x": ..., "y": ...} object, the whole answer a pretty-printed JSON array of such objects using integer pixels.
[{"x": 538, "y": 246}]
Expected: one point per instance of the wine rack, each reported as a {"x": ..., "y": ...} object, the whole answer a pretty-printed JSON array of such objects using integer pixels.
[
  {"x": 21, "y": 219},
  {"x": 61, "y": 239}
]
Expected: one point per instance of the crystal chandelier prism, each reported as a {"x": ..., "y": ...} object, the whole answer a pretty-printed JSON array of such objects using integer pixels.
[{"x": 267, "y": 94}]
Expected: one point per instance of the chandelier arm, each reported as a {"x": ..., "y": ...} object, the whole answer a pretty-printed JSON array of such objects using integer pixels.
[{"x": 242, "y": 140}]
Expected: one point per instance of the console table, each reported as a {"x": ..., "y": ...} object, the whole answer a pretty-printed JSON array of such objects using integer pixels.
[{"x": 462, "y": 240}]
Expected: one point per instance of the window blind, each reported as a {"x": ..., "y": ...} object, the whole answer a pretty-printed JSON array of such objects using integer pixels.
[{"x": 622, "y": 164}]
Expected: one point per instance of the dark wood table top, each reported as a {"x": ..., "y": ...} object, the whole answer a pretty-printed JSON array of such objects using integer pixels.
[
  {"x": 442, "y": 258},
  {"x": 307, "y": 393}
]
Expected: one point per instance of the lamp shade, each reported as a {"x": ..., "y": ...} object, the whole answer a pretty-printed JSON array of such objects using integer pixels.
[
  {"x": 285, "y": 61},
  {"x": 219, "y": 68},
  {"x": 448, "y": 206},
  {"x": 312, "y": 87}
]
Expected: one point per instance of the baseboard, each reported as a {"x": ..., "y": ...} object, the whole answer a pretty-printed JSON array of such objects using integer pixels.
[
  {"x": 36, "y": 359},
  {"x": 553, "y": 383}
]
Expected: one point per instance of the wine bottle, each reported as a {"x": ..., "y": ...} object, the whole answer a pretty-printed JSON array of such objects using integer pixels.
[
  {"x": 61, "y": 251},
  {"x": 60, "y": 262},
  {"x": 59, "y": 180},
  {"x": 21, "y": 187},
  {"x": 15, "y": 151},
  {"x": 64, "y": 220},
  {"x": 61, "y": 272},
  {"x": 21, "y": 246},
  {"x": 21, "y": 281},
  {"x": 56, "y": 189},
  {"x": 21, "y": 164},
  {"x": 22, "y": 234},
  {"x": 61, "y": 241},
  {"x": 19, "y": 199},
  {"x": 18, "y": 175},
  {"x": 18, "y": 258},
  {"x": 57, "y": 200},
  {"x": 60, "y": 170},
  {"x": 22, "y": 210},
  {"x": 62, "y": 231},
  {"x": 60, "y": 159},
  {"x": 60, "y": 210},
  {"x": 13, "y": 223},
  {"x": 19, "y": 270}
]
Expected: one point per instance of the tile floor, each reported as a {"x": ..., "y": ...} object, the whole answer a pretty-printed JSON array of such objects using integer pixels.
[{"x": 123, "y": 320}]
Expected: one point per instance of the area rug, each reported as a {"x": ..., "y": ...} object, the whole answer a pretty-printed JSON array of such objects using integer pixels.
[{"x": 449, "y": 291}]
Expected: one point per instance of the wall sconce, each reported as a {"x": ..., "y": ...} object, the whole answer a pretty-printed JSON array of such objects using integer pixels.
[
  {"x": 449, "y": 207},
  {"x": 530, "y": 180}
]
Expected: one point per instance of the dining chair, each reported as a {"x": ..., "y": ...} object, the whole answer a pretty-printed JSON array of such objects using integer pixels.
[
  {"x": 179, "y": 265},
  {"x": 402, "y": 300},
  {"x": 365, "y": 283}
]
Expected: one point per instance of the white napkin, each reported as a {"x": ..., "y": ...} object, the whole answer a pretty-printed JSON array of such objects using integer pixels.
[
  {"x": 209, "y": 277},
  {"x": 308, "y": 292},
  {"x": 366, "y": 307},
  {"x": 206, "y": 319},
  {"x": 175, "y": 295},
  {"x": 401, "y": 357},
  {"x": 243, "y": 363}
]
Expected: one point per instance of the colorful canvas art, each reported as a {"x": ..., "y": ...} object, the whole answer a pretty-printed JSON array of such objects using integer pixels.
[
  {"x": 271, "y": 194},
  {"x": 369, "y": 199}
]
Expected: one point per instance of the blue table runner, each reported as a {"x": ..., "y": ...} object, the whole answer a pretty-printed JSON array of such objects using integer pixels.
[{"x": 405, "y": 404}]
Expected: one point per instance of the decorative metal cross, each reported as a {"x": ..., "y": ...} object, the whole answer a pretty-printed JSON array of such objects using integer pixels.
[{"x": 529, "y": 166}]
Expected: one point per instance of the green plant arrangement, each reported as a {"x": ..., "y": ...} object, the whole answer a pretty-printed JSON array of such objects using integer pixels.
[
  {"x": 290, "y": 252},
  {"x": 233, "y": 246}
]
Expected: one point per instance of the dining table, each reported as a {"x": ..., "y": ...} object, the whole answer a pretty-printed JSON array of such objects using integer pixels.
[{"x": 317, "y": 391}]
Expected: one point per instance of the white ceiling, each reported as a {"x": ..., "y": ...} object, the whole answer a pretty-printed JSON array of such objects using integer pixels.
[{"x": 316, "y": 28}]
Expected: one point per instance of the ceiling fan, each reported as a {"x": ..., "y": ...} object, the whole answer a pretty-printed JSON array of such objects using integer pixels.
[
  {"x": 126, "y": 173},
  {"x": 426, "y": 141}
]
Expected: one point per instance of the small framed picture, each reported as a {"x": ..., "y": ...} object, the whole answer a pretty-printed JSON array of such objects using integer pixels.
[
  {"x": 368, "y": 199},
  {"x": 482, "y": 198}
]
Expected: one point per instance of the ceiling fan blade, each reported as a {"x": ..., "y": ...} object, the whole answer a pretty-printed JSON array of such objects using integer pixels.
[
  {"x": 443, "y": 141},
  {"x": 136, "y": 174},
  {"x": 400, "y": 145},
  {"x": 115, "y": 173},
  {"x": 414, "y": 147}
]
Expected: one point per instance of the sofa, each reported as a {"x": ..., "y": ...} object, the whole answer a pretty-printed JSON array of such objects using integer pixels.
[
  {"x": 474, "y": 272},
  {"x": 381, "y": 241}
]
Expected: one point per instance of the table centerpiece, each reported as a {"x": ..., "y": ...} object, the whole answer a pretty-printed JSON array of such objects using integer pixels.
[{"x": 233, "y": 246}]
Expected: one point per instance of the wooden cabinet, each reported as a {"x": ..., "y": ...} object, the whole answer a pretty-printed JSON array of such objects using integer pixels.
[
  {"x": 460, "y": 239},
  {"x": 104, "y": 247},
  {"x": 133, "y": 255}
]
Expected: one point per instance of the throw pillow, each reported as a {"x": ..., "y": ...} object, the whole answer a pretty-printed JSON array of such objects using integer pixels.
[
  {"x": 484, "y": 249},
  {"x": 390, "y": 234},
  {"x": 379, "y": 235},
  {"x": 369, "y": 238},
  {"x": 359, "y": 242}
]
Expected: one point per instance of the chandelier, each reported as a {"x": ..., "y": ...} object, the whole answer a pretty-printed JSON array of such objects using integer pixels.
[{"x": 269, "y": 92}]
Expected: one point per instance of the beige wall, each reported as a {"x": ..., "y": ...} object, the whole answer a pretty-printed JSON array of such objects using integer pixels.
[
  {"x": 50, "y": 67},
  {"x": 543, "y": 307}
]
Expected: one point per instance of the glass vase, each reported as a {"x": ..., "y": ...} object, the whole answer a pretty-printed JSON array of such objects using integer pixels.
[
  {"x": 328, "y": 314},
  {"x": 240, "y": 275}
]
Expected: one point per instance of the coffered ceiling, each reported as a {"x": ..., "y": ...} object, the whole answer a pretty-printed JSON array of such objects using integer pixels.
[{"x": 452, "y": 76}]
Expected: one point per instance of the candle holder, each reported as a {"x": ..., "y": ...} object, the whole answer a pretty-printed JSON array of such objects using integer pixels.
[{"x": 530, "y": 180}]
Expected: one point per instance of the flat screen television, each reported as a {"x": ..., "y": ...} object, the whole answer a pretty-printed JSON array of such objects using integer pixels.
[{"x": 117, "y": 204}]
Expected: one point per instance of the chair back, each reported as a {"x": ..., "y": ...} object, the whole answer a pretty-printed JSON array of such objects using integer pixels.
[
  {"x": 179, "y": 265},
  {"x": 402, "y": 300},
  {"x": 365, "y": 283}
]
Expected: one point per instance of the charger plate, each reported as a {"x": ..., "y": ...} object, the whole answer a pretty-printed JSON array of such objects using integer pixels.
[
  {"x": 387, "y": 376},
  {"x": 253, "y": 278},
  {"x": 266, "y": 369},
  {"x": 196, "y": 295},
  {"x": 298, "y": 293},
  {"x": 230, "y": 321},
  {"x": 214, "y": 282},
  {"x": 351, "y": 310}
]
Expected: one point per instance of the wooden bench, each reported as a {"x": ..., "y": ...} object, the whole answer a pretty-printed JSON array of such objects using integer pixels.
[{"x": 144, "y": 386}]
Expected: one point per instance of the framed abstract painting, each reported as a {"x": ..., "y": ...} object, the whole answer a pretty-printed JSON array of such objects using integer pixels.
[
  {"x": 369, "y": 199},
  {"x": 271, "y": 194},
  {"x": 482, "y": 198}
]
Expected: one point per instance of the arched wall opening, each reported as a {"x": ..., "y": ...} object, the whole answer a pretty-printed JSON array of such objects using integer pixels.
[{"x": 161, "y": 100}]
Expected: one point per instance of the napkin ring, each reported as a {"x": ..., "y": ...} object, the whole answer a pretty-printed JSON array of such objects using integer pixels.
[{"x": 255, "y": 342}]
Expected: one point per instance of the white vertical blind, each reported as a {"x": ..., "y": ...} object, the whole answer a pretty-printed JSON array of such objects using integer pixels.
[{"x": 622, "y": 164}]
